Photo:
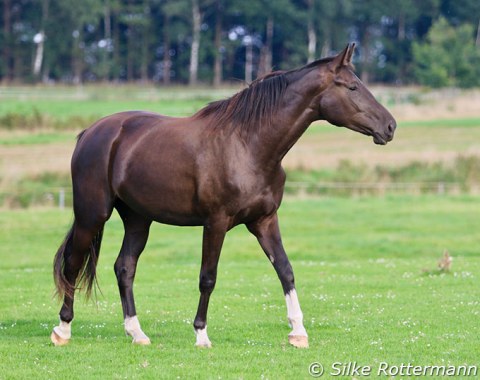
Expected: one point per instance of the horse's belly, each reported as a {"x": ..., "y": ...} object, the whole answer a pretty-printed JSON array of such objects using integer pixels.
[
  {"x": 165, "y": 193},
  {"x": 178, "y": 219},
  {"x": 162, "y": 205}
]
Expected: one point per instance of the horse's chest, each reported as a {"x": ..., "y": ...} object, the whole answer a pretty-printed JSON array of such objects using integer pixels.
[
  {"x": 243, "y": 197},
  {"x": 237, "y": 185}
]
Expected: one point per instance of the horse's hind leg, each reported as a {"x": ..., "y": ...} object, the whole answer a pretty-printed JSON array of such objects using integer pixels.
[
  {"x": 136, "y": 235},
  {"x": 76, "y": 260},
  {"x": 70, "y": 259}
]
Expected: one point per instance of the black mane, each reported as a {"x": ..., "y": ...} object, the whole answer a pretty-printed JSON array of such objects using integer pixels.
[
  {"x": 250, "y": 107},
  {"x": 255, "y": 105}
]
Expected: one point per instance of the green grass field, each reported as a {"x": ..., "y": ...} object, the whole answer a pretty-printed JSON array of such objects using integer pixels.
[
  {"x": 97, "y": 101},
  {"x": 366, "y": 273},
  {"x": 366, "y": 268}
]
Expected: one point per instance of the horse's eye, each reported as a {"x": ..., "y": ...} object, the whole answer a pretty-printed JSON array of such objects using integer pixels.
[{"x": 352, "y": 87}]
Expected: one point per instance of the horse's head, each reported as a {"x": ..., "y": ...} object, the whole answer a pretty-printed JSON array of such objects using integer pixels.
[{"x": 346, "y": 102}]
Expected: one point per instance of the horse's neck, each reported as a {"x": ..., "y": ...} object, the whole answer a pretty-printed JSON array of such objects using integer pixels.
[{"x": 291, "y": 121}]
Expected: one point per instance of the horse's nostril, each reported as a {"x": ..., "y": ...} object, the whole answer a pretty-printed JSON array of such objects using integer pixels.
[{"x": 392, "y": 126}]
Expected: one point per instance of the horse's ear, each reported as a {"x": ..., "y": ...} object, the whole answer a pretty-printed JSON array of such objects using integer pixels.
[
  {"x": 344, "y": 58},
  {"x": 348, "y": 57}
]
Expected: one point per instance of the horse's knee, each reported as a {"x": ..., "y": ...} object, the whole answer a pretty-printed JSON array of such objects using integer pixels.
[{"x": 207, "y": 282}]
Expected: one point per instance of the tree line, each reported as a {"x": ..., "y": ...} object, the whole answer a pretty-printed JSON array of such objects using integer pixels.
[{"x": 432, "y": 42}]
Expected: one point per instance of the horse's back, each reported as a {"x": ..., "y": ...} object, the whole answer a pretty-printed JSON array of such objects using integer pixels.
[{"x": 101, "y": 135}]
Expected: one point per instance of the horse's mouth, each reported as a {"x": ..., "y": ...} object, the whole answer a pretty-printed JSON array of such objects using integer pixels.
[
  {"x": 383, "y": 138},
  {"x": 377, "y": 139}
]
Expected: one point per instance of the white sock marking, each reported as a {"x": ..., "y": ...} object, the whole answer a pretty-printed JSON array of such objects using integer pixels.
[
  {"x": 64, "y": 330},
  {"x": 132, "y": 328},
  {"x": 202, "y": 338},
  {"x": 294, "y": 314}
]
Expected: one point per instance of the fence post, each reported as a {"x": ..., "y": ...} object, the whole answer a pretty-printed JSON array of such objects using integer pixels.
[
  {"x": 441, "y": 188},
  {"x": 61, "y": 199}
]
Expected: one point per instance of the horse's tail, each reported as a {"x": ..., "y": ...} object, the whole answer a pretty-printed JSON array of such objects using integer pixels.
[{"x": 87, "y": 275}]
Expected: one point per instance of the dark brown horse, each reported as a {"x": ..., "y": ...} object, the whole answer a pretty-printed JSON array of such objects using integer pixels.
[{"x": 218, "y": 168}]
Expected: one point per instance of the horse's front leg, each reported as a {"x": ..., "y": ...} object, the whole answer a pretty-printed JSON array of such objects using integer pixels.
[
  {"x": 267, "y": 231},
  {"x": 136, "y": 236},
  {"x": 213, "y": 236}
]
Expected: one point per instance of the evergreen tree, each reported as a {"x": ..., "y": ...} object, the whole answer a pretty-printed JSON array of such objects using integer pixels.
[
  {"x": 181, "y": 41},
  {"x": 448, "y": 57}
]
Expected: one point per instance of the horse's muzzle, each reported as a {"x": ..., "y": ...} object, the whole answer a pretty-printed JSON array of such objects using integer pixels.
[{"x": 384, "y": 138}]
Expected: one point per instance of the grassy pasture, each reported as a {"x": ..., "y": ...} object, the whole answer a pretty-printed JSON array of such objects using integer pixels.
[
  {"x": 62, "y": 103},
  {"x": 366, "y": 275},
  {"x": 366, "y": 268}
]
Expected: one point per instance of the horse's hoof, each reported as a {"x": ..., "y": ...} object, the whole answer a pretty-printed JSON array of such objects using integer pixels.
[
  {"x": 57, "y": 340},
  {"x": 142, "y": 341},
  {"x": 204, "y": 345},
  {"x": 299, "y": 341}
]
